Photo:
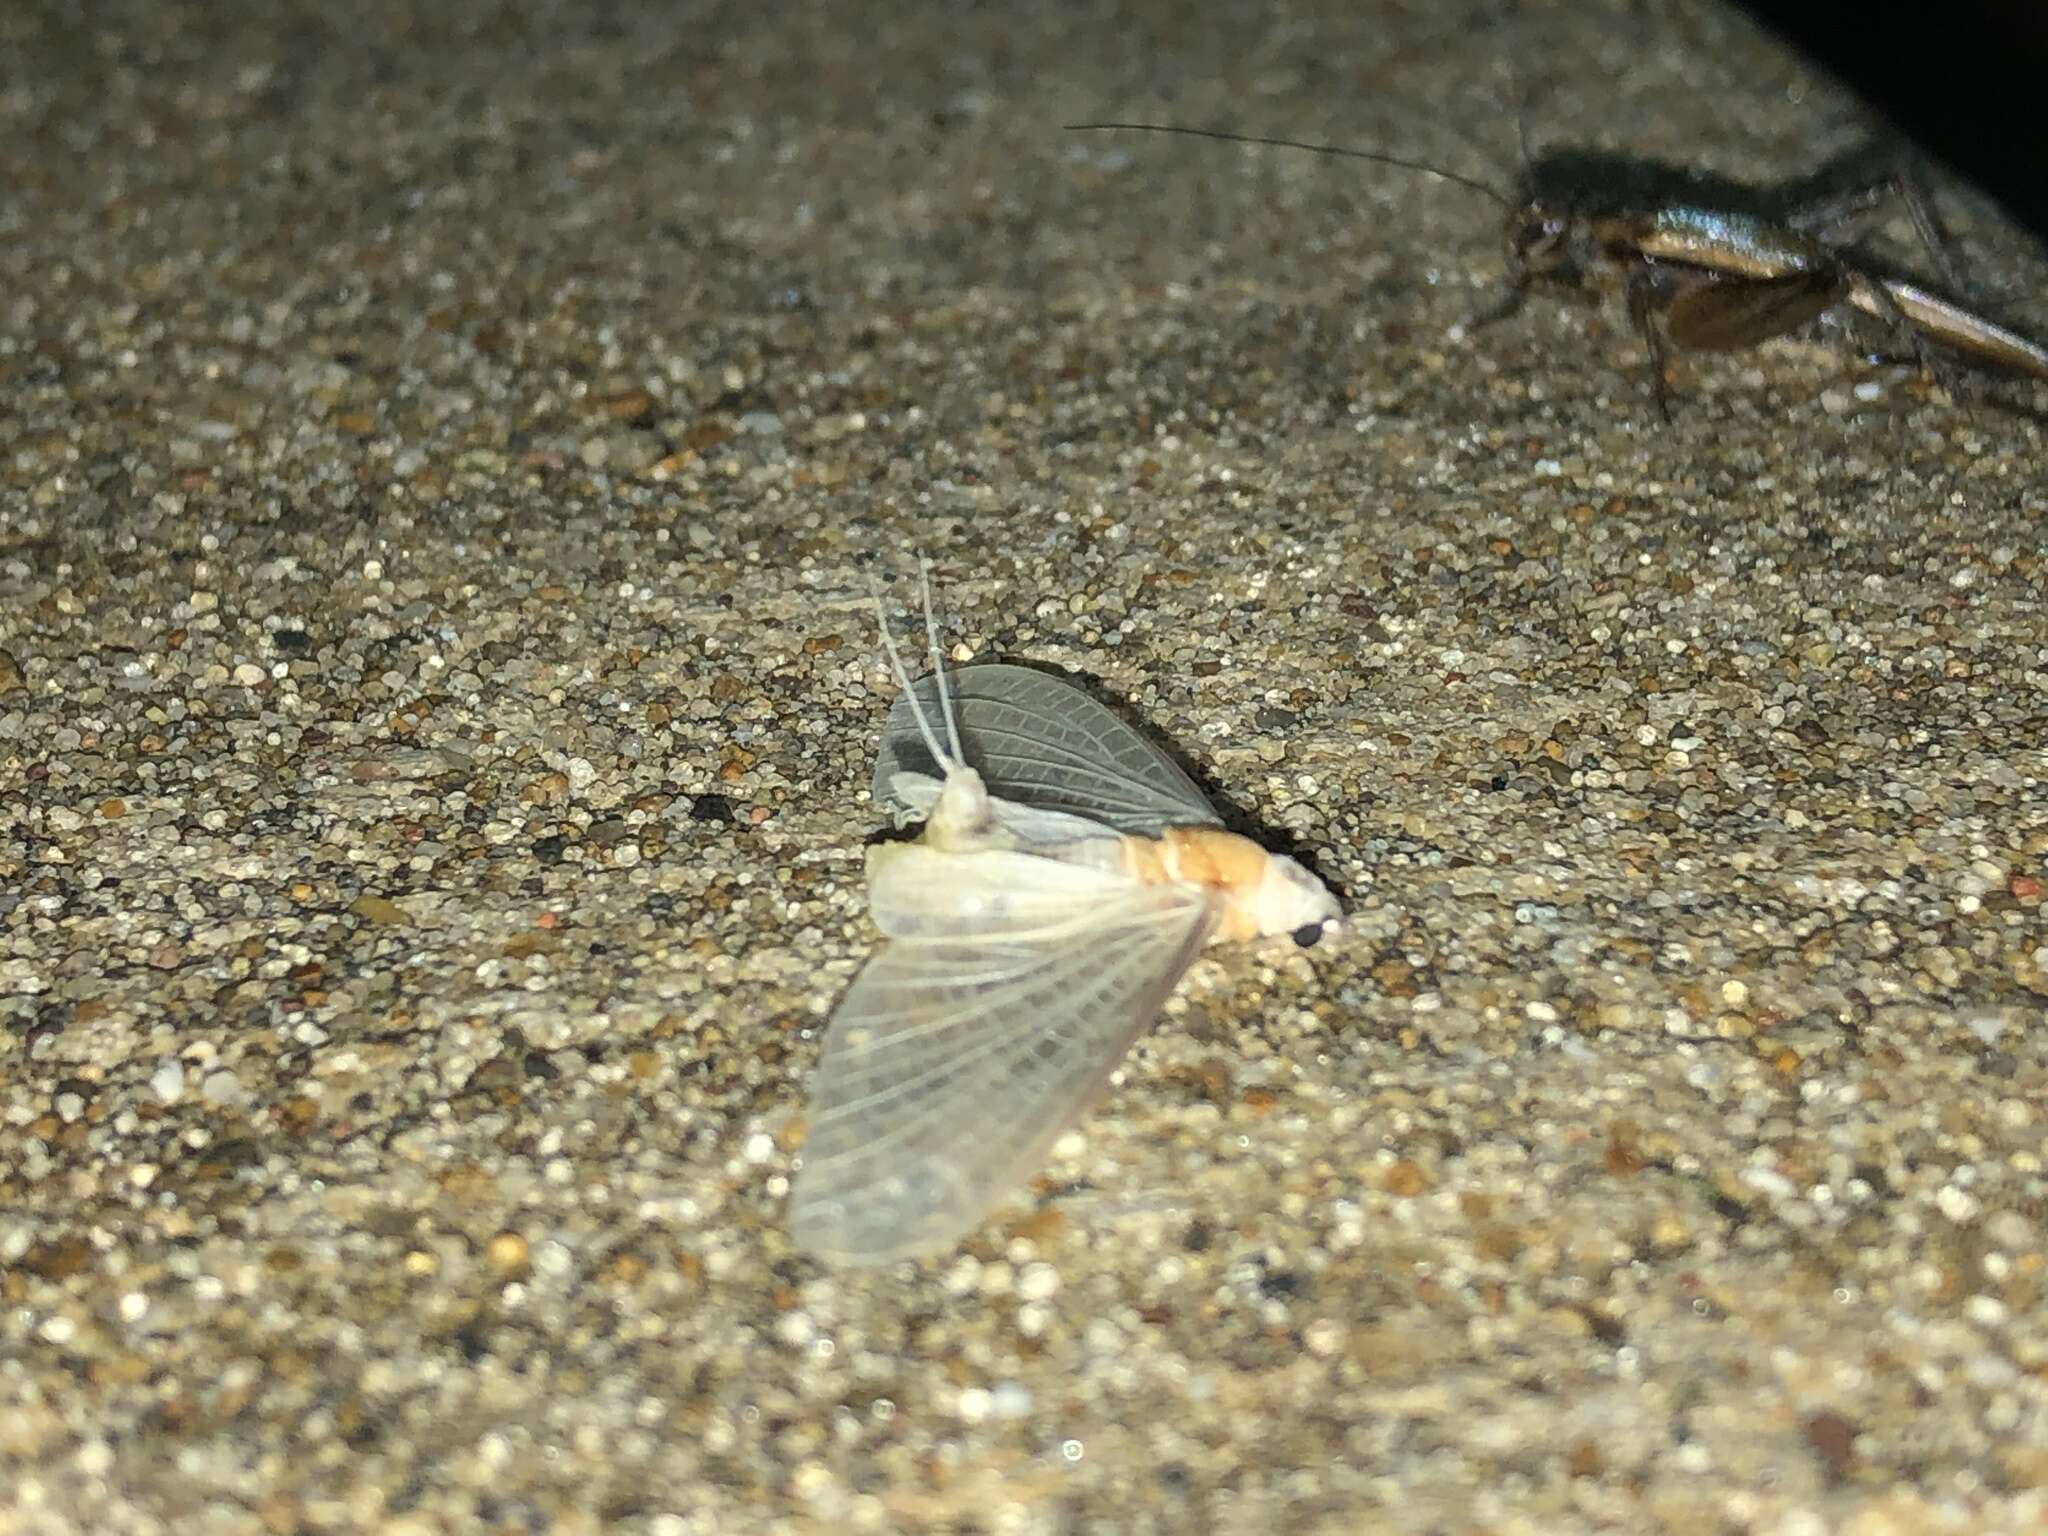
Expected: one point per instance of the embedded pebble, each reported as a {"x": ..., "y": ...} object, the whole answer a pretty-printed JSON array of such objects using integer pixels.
[{"x": 167, "y": 1082}]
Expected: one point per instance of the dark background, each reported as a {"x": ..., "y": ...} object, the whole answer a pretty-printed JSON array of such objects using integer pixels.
[{"x": 1964, "y": 80}]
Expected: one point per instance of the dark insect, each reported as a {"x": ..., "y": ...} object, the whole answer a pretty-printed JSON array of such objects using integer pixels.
[{"x": 1721, "y": 268}]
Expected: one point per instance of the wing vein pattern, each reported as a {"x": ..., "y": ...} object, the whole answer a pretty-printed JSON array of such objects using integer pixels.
[
  {"x": 1041, "y": 742},
  {"x": 954, "y": 1062}
]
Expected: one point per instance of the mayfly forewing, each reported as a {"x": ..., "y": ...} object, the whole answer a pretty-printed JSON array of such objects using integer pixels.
[
  {"x": 1043, "y": 743},
  {"x": 953, "y": 1064},
  {"x": 1718, "y": 315}
]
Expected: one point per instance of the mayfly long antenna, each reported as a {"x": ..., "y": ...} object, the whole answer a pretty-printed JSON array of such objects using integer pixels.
[
  {"x": 931, "y": 635},
  {"x": 1400, "y": 162},
  {"x": 902, "y": 675}
]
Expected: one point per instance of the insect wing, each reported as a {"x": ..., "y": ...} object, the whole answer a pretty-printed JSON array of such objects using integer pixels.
[
  {"x": 953, "y": 1064},
  {"x": 1042, "y": 743},
  {"x": 1721, "y": 316},
  {"x": 912, "y": 796},
  {"x": 916, "y": 891}
]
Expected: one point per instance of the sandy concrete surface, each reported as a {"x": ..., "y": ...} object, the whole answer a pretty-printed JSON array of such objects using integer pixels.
[{"x": 440, "y": 451}]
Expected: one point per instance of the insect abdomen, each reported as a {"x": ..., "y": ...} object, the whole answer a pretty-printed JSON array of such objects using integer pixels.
[{"x": 1209, "y": 857}]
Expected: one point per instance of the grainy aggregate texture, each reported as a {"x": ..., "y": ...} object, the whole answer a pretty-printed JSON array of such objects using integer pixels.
[{"x": 439, "y": 450}]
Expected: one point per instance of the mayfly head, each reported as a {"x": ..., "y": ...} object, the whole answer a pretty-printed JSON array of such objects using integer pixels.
[{"x": 1293, "y": 901}]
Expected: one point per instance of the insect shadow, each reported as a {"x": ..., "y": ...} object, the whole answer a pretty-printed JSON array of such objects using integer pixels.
[{"x": 1710, "y": 264}]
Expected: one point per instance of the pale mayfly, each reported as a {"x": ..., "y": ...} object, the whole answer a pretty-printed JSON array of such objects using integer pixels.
[{"x": 1067, "y": 875}]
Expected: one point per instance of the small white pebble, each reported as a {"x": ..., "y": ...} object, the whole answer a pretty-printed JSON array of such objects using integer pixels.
[
  {"x": 1987, "y": 1027},
  {"x": 964, "y": 1278},
  {"x": 812, "y": 1482},
  {"x": 167, "y": 1082},
  {"x": 248, "y": 674},
  {"x": 1986, "y": 1311},
  {"x": 1038, "y": 1282},
  {"x": 997, "y": 1279}
]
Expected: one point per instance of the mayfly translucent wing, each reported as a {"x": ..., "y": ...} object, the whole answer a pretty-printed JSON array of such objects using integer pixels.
[
  {"x": 911, "y": 797},
  {"x": 1044, "y": 744},
  {"x": 954, "y": 1062},
  {"x": 916, "y": 891}
]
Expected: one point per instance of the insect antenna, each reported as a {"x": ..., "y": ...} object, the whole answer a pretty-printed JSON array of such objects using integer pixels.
[
  {"x": 1400, "y": 162},
  {"x": 902, "y": 676},
  {"x": 931, "y": 634},
  {"x": 1520, "y": 90}
]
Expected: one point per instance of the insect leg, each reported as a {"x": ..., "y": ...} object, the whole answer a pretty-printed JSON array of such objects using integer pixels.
[
  {"x": 1874, "y": 297},
  {"x": 1830, "y": 216},
  {"x": 1641, "y": 292},
  {"x": 1927, "y": 225},
  {"x": 1508, "y": 303}
]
